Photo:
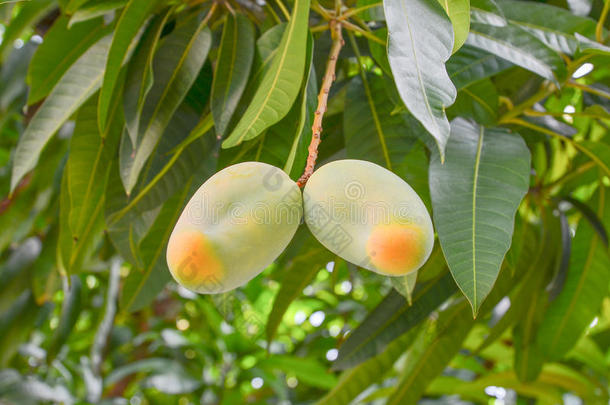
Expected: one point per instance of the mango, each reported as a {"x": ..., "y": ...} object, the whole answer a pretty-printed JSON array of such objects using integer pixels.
[
  {"x": 235, "y": 225},
  {"x": 369, "y": 216}
]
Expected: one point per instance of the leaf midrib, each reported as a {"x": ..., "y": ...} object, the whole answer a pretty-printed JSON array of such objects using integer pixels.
[{"x": 474, "y": 209}]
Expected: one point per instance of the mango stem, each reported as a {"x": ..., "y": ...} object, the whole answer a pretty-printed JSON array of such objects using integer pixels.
[{"x": 329, "y": 77}]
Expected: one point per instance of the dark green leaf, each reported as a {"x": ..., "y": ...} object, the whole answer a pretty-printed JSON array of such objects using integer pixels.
[
  {"x": 280, "y": 84},
  {"x": 235, "y": 56},
  {"x": 70, "y": 310},
  {"x": 371, "y": 131},
  {"x": 471, "y": 64},
  {"x": 435, "y": 346},
  {"x": 475, "y": 195},
  {"x": 81, "y": 81},
  {"x": 29, "y": 14},
  {"x": 420, "y": 41},
  {"x": 62, "y": 46},
  {"x": 519, "y": 47},
  {"x": 176, "y": 65},
  {"x": 140, "y": 74},
  {"x": 300, "y": 271},
  {"x": 143, "y": 285},
  {"x": 392, "y": 318},
  {"x": 94, "y": 9},
  {"x": 587, "y": 283},
  {"x": 355, "y": 380},
  {"x": 130, "y": 22}
]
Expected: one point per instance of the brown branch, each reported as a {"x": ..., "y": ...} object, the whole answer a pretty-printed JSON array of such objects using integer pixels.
[{"x": 329, "y": 77}]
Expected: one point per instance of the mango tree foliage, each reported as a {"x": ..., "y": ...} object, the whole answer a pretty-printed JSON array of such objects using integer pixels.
[{"x": 113, "y": 113}]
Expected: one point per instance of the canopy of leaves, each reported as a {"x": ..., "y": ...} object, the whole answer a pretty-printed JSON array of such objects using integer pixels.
[{"x": 113, "y": 112}]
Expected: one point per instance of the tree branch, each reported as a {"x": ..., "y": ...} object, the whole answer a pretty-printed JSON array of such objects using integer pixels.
[{"x": 329, "y": 77}]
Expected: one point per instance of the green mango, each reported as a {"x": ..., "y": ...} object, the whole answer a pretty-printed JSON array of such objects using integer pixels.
[
  {"x": 235, "y": 225},
  {"x": 369, "y": 216}
]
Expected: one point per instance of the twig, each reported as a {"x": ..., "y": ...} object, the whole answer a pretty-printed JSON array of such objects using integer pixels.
[
  {"x": 355, "y": 11},
  {"x": 545, "y": 91},
  {"x": 315, "y": 6},
  {"x": 319, "y": 28},
  {"x": 329, "y": 77},
  {"x": 588, "y": 89},
  {"x": 364, "y": 33},
  {"x": 283, "y": 9}
]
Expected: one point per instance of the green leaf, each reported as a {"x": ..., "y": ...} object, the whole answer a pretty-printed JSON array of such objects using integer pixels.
[
  {"x": 392, "y": 318},
  {"x": 16, "y": 324},
  {"x": 285, "y": 143},
  {"x": 435, "y": 346},
  {"x": 371, "y": 131},
  {"x": 529, "y": 357},
  {"x": 478, "y": 101},
  {"x": 586, "y": 285},
  {"x": 420, "y": 41},
  {"x": 459, "y": 14},
  {"x": 94, "y": 9},
  {"x": 17, "y": 263},
  {"x": 29, "y": 14},
  {"x": 12, "y": 80},
  {"x": 70, "y": 310},
  {"x": 599, "y": 152},
  {"x": 80, "y": 82},
  {"x": 73, "y": 5},
  {"x": 140, "y": 74},
  {"x": 61, "y": 47},
  {"x": 536, "y": 246},
  {"x": 125, "y": 232},
  {"x": 235, "y": 56},
  {"x": 519, "y": 47},
  {"x": 486, "y": 12},
  {"x": 88, "y": 168},
  {"x": 378, "y": 51},
  {"x": 471, "y": 64},
  {"x": 475, "y": 195},
  {"x": 281, "y": 83},
  {"x": 176, "y": 65},
  {"x": 295, "y": 163},
  {"x": 185, "y": 161},
  {"x": 585, "y": 45},
  {"x": 547, "y": 389},
  {"x": 355, "y": 380},
  {"x": 300, "y": 270},
  {"x": 142, "y": 285},
  {"x": 405, "y": 285},
  {"x": 306, "y": 369},
  {"x": 552, "y": 25},
  {"x": 130, "y": 22}
]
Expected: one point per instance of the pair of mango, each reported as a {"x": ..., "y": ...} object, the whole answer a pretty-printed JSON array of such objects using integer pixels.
[{"x": 243, "y": 217}]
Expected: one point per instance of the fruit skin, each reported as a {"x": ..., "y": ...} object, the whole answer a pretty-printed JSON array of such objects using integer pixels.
[
  {"x": 368, "y": 216},
  {"x": 235, "y": 225}
]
